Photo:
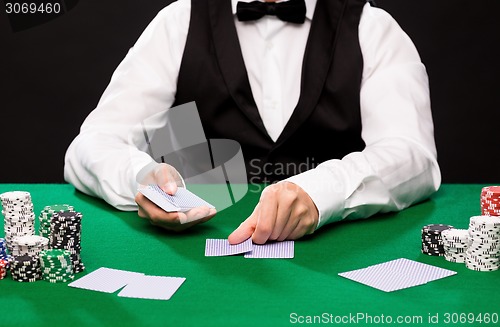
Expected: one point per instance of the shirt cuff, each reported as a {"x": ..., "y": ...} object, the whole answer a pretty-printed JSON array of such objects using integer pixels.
[{"x": 329, "y": 197}]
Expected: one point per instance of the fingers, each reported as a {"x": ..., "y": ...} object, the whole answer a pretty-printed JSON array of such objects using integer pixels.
[
  {"x": 285, "y": 212},
  {"x": 197, "y": 214},
  {"x": 245, "y": 230},
  {"x": 141, "y": 213},
  {"x": 305, "y": 224},
  {"x": 287, "y": 231},
  {"x": 167, "y": 178},
  {"x": 173, "y": 221},
  {"x": 154, "y": 213},
  {"x": 266, "y": 216}
]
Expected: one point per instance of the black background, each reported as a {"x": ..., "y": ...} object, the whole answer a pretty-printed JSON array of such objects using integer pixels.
[{"x": 52, "y": 75}]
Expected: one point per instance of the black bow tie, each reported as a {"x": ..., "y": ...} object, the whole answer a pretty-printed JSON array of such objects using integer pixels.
[{"x": 293, "y": 11}]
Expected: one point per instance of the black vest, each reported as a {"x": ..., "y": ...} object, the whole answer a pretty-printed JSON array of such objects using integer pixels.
[{"x": 326, "y": 122}]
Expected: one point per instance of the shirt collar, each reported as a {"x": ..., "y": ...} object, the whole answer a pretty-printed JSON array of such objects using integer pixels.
[{"x": 310, "y": 5}]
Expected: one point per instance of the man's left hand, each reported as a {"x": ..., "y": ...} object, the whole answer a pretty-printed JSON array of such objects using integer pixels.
[{"x": 284, "y": 212}]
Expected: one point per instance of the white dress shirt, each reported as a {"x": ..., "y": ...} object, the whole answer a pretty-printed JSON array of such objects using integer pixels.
[{"x": 397, "y": 168}]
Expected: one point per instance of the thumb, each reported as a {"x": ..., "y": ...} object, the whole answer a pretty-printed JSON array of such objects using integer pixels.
[{"x": 164, "y": 176}]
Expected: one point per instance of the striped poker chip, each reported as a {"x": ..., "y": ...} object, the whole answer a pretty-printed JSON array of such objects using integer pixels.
[
  {"x": 65, "y": 234},
  {"x": 19, "y": 219},
  {"x": 46, "y": 216},
  {"x": 29, "y": 240},
  {"x": 456, "y": 242},
  {"x": 29, "y": 245},
  {"x": 25, "y": 268},
  {"x": 490, "y": 201},
  {"x": 3, "y": 248},
  {"x": 54, "y": 254},
  {"x": 435, "y": 229},
  {"x": 485, "y": 222},
  {"x": 56, "y": 265},
  {"x": 432, "y": 242},
  {"x": 4, "y": 268},
  {"x": 15, "y": 197},
  {"x": 483, "y": 252}
]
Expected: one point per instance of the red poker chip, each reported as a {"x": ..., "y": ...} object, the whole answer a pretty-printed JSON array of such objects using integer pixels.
[
  {"x": 490, "y": 209},
  {"x": 490, "y": 213},
  {"x": 493, "y": 188}
]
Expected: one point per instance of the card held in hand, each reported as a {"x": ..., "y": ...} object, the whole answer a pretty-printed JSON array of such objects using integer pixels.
[{"x": 183, "y": 200}]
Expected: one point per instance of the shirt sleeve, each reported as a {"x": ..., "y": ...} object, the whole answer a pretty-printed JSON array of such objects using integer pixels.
[
  {"x": 398, "y": 166},
  {"x": 103, "y": 159}
]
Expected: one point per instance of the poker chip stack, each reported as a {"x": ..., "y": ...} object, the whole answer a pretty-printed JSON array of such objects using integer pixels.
[
  {"x": 4, "y": 259},
  {"x": 432, "y": 243},
  {"x": 483, "y": 252},
  {"x": 3, "y": 250},
  {"x": 46, "y": 216},
  {"x": 490, "y": 201},
  {"x": 4, "y": 267},
  {"x": 25, "y": 268},
  {"x": 19, "y": 219},
  {"x": 65, "y": 233},
  {"x": 455, "y": 244},
  {"x": 29, "y": 245},
  {"x": 56, "y": 266}
]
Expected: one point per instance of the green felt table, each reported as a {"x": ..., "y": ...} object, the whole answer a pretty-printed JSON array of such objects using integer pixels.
[{"x": 234, "y": 291}]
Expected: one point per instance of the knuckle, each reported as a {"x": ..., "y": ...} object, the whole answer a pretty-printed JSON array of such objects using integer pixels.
[
  {"x": 309, "y": 224},
  {"x": 264, "y": 229},
  {"x": 289, "y": 197},
  {"x": 302, "y": 210},
  {"x": 138, "y": 197},
  {"x": 270, "y": 191}
]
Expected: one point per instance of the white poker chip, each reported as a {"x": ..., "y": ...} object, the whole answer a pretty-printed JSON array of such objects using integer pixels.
[
  {"x": 487, "y": 221},
  {"x": 455, "y": 244},
  {"x": 14, "y": 196},
  {"x": 19, "y": 219},
  {"x": 483, "y": 252},
  {"x": 29, "y": 240}
]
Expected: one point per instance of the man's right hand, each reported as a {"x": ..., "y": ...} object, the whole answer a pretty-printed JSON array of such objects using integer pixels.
[{"x": 168, "y": 179}]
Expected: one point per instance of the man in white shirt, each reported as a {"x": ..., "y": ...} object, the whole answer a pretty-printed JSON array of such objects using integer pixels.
[{"x": 345, "y": 85}]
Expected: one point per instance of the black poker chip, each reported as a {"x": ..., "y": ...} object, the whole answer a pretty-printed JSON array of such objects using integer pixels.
[
  {"x": 432, "y": 243},
  {"x": 65, "y": 227}
]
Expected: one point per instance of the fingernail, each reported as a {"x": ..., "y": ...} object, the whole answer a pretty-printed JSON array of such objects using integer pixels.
[{"x": 170, "y": 188}]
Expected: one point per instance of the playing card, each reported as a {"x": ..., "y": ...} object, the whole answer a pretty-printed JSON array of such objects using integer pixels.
[
  {"x": 221, "y": 247},
  {"x": 397, "y": 274},
  {"x": 161, "y": 199},
  {"x": 273, "y": 250},
  {"x": 105, "y": 280},
  {"x": 182, "y": 200},
  {"x": 152, "y": 287}
]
